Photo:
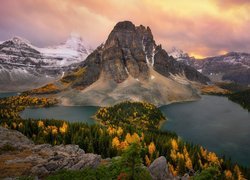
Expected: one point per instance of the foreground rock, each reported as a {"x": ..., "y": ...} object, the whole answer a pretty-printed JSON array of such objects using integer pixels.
[
  {"x": 19, "y": 156},
  {"x": 159, "y": 169}
]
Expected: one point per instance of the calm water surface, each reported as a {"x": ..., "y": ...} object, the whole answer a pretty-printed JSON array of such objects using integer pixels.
[
  {"x": 7, "y": 94},
  {"x": 69, "y": 113},
  {"x": 213, "y": 122}
]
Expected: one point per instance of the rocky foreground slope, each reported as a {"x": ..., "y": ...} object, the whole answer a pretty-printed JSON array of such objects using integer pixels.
[{"x": 19, "y": 156}]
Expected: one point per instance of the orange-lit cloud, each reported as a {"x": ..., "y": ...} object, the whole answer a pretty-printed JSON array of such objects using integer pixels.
[{"x": 202, "y": 28}]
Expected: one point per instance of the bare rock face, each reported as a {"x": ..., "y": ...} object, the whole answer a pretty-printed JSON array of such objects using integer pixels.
[
  {"x": 167, "y": 65},
  {"x": 132, "y": 51},
  {"x": 14, "y": 139},
  {"x": 159, "y": 170},
  {"x": 129, "y": 66},
  {"x": 39, "y": 160}
]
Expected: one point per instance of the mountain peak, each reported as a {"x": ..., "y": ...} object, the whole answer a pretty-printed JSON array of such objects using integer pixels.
[
  {"x": 18, "y": 40},
  {"x": 124, "y": 25}
]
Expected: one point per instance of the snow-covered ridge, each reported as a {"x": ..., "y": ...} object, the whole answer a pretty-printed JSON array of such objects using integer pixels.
[
  {"x": 74, "y": 46},
  {"x": 19, "y": 40},
  {"x": 178, "y": 54},
  {"x": 73, "y": 50}
]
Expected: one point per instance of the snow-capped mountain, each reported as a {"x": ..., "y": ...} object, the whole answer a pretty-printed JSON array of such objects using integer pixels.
[
  {"x": 73, "y": 50},
  {"x": 26, "y": 66},
  {"x": 178, "y": 54}
]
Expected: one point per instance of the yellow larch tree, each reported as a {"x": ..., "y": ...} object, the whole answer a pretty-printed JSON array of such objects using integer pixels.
[
  {"x": 238, "y": 173},
  {"x": 116, "y": 142},
  {"x": 174, "y": 144},
  {"x": 188, "y": 162},
  {"x": 64, "y": 128},
  {"x": 40, "y": 124},
  {"x": 148, "y": 162},
  {"x": 119, "y": 131},
  {"x": 151, "y": 148},
  {"x": 228, "y": 175},
  {"x": 172, "y": 169}
]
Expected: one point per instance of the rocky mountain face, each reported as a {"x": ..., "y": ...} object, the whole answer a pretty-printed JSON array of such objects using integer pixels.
[
  {"x": 130, "y": 66},
  {"x": 131, "y": 51},
  {"x": 24, "y": 66},
  {"x": 231, "y": 67}
]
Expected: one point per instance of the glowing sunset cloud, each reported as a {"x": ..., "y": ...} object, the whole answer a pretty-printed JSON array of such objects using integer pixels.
[{"x": 202, "y": 28}]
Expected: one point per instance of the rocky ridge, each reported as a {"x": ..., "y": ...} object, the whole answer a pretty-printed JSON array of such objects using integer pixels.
[
  {"x": 230, "y": 67},
  {"x": 130, "y": 66},
  {"x": 24, "y": 66}
]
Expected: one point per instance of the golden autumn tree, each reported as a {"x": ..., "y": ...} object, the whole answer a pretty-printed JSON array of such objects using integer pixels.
[
  {"x": 228, "y": 175},
  {"x": 151, "y": 148},
  {"x": 116, "y": 142},
  {"x": 174, "y": 144}
]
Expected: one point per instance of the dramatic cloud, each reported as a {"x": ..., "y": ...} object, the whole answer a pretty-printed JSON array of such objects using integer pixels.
[{"x": 202, "y": 28}]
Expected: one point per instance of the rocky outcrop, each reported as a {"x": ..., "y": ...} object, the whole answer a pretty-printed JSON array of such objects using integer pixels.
[
  {"x": 159, "y": 169},
  {"x": 14, "y": 139},
  {"x": 39, "y": 160},
  {"x": 130, "y": 67},
  {"x": 167, "y": 65},
  {"x": 131, "y": 51}
]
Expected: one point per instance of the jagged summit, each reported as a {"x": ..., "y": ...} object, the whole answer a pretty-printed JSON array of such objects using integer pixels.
[
  {"x": 130, "y": 66},
  {"x": 124, "y": 25},
  {"x": 132, "y": 51}
]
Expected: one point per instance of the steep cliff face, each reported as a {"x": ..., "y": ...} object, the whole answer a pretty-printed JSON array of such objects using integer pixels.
[
  {"x": 167, "y": 65},
  {"x": 131, "y": 51},
  {"x": 130, "y": 66}
]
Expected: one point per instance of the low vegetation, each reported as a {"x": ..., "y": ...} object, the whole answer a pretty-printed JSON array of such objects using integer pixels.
[
  {"x": 214, "y": 90},
  {"x": 141, "y": 114},
  {"x": 47, "y": 89},
  {"x": 233, "y": 87},
  {"x": 73, "y": 76},
  {"x": 11, "y": 107},
  {"x": 242, "y": 98}
]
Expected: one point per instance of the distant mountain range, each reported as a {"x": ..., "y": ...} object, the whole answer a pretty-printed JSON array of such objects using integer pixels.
[
  {"x": 24, "y": 66},
  {"x": 231, "y": 67}
]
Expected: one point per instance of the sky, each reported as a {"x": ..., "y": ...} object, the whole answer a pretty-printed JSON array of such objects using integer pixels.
[{"x": 200, "y": 27}]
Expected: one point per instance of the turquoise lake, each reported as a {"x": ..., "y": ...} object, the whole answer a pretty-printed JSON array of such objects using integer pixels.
[
  {"x": 7, "y": 94},
  {"x": 214, "y": 122}
]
